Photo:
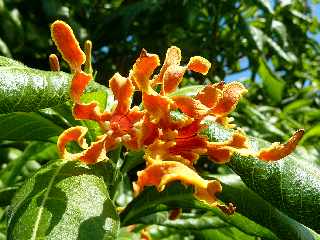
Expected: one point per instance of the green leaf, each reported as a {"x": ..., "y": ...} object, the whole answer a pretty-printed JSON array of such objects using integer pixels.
[
  {"x": 223, "y": 234},
  {"x": 9, "y": 174},
  {"x": 8, "y": 62},
  {"x": 312, "y": 132},
  {"x": 254, "y": 207},
  {"x": 64, "y": 200},
  {"x": 192, "y": 223},
  {"x": 26, "y": 89},
  {"x": 177, "y": 196},
  {"x": 27, "y": 126},
  {"x": 292, "y": 185},
  {"x": 296, "y": 105},
  {"x": 4, "y": 48},
  {"x": 272, "y": 84}
]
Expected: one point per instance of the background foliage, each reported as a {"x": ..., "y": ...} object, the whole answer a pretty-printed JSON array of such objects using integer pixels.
[{"x": 270, "y": 45}]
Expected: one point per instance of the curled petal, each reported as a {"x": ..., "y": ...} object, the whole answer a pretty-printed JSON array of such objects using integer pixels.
[
  {"x": 232, "y": 92},
  {"x": 67, "y": 44},
  {"x": 72, "y": 134},
  {"x": 122, "y": 89},
  {"x": 191, "y": 107},
  {"x": 173, "y": 57},
  {"x": 210, "y": 95},
  {"x": 79, "y": 82},
  {"x": 172, "y": 78},
  {"x": 277, "y": 151},
  {"x": 160, "y": 174},
  {"x": 159, "y": 150},
  {"x": 221, "y": 152},
  {"x": 88, "y": 111},
  {"x": 199, "y": 64},
  {"x": 95, "y": 153},
  {"x": 158, "y": 108},
  {"x": 143, "y": 69}
]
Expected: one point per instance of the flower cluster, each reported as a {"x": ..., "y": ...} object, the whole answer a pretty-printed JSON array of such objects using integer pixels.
[{"x": 171, "y": 144}]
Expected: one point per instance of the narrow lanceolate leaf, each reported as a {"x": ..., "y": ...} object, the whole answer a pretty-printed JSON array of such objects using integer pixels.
[
  {"x": 22, "y": 126},
  {"x": 177, "y": 196},
  {"x": 64, "y": 200},
  {"x": 291, "y": 184},
  {"x": 273, "y": 85}
]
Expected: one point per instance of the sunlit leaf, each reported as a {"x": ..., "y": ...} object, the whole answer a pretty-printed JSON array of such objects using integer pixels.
[{"x": 64, "y": 200}]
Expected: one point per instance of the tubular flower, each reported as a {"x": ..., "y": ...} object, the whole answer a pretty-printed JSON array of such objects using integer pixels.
[{"x": 168, "y": 128}]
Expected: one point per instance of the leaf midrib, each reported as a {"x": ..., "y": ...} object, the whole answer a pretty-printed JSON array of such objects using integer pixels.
[{"x": 43, "y": 202}]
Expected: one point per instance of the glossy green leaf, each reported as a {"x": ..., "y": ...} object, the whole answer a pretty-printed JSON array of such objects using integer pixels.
[
  {"x": 22, "y": 126},
  {"x": 26, "y": 89},
  {"x": 177, "y": 196},
  {"x": 257, "y": 209},
  {"x": 64, "y": 200},
  {"x": 291, "y": 184}
]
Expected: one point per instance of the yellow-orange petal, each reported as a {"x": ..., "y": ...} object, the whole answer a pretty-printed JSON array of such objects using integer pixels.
[
  {"x": 232, "y": 93},
  {"x": 95, "y": 153},
  {"x": 79, "y": 83},
  {"x": 172, "y": 78},
  {"x": 160, "y": 174},
  {"x": 278, "y": 151},
  {"x": 221, "y": 152},
  {"x": 67, "y": 44},
  {"x": 159, "y": 151},
  {"x": 199, "y": 64},
  {"x": 72, "y": 134},
  {"x": 158, "y": 108},
  {"x": 88, "y": 111},
  {"x": 173, "y": 57},
  {"x": 143, "y": 69},
  {"x": 210, "y": 95},
  {"x": 122, "y": 89},
  {"x": 191, "y": 107}
]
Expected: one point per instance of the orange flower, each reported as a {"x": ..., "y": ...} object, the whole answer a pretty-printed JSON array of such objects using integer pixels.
[
  {"x": 118, "y": 124},
  {"x": 172, "y": 143},
  {"x": 159, "y": 174}
]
